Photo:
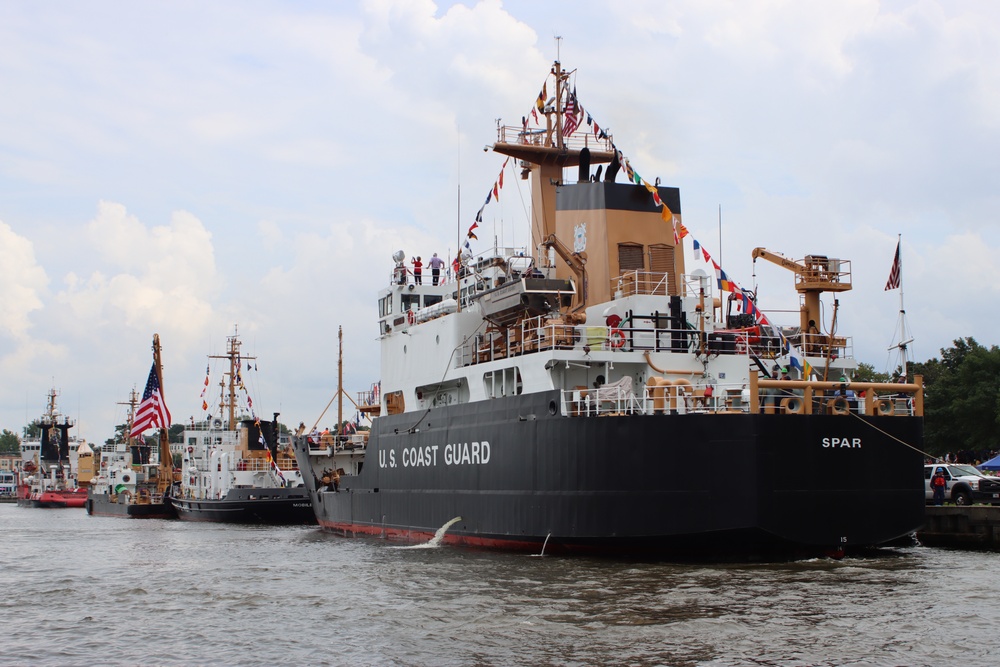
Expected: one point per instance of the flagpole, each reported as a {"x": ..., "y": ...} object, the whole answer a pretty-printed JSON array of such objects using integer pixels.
[
  {"x": 902, "y": 311},
  {"x": 458, "y": 245},
  {"x": 458, "y": 225},
  {"x": 897, "y": 272},
  {"x": 720, "y": 234},
  {"x": 165, "y": 476}
]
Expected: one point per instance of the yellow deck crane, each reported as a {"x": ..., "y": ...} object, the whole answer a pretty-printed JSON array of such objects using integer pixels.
[
  {"x": 577, "y": 262},
  {"x": 814, "y": 275}
]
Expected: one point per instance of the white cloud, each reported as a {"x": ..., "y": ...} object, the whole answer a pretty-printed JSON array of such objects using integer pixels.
[
  {"x": 22, "y": 282},
  {"x": 266, "y": 160}
]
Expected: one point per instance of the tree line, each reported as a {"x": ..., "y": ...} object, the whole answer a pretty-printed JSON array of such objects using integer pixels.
[{"x": 962, "y": 399}]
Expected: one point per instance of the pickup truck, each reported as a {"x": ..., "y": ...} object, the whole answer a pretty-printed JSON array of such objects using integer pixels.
[{"x": 964, "y": 484}]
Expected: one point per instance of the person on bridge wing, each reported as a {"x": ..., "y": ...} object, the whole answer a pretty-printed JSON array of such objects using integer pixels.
[
  {"x": 938, "y": 485},
  {"x": 418, "y": 270},
  {"x": 436, "y": 264}
]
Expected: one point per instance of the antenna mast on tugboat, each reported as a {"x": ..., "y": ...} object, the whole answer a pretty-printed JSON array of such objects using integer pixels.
[{"x": 235, "y": 361}]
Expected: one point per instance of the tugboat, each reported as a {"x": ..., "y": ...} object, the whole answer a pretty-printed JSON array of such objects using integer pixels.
[
  {"x": 134, "y": 479},
  {"x": 233, "y": 469},
  {"x": 48, "y": 470},
  {"x": 592, "y": 395}
]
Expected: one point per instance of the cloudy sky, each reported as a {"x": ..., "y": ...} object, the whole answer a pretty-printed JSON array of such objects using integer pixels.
[{"x": 185, "y": 168}]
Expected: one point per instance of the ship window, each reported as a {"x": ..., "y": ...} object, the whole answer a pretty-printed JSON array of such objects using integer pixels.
[
  {"x": 431, "y": 299},
  {"x": 385, "y": 305},
  {"x": 411, "y": 302},
  {"x": 505, "y": 382},
  {"x": 630, "y": 257}
]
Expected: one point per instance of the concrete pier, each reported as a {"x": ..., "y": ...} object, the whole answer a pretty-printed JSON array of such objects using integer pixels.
[{"x": 969, "y": 527}]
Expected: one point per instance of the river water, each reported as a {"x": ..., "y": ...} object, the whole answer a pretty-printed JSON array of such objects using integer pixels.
[{"x": 81, "y": 590}]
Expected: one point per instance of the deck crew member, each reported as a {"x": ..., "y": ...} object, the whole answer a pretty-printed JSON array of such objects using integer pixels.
[
  {"x": 436, "y": 263},
  {"x": 418, "y": 270}
]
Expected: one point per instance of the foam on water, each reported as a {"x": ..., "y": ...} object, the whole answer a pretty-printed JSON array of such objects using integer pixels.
[{"x": 435, "y": 541}]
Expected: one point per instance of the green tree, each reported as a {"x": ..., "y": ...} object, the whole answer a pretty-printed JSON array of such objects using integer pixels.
[
  {"x": 962, "y": 398},
  {"x": 119, "y": 435},
  {"x": 9, "y": 443},
  {"x": 866, "y": 373}
]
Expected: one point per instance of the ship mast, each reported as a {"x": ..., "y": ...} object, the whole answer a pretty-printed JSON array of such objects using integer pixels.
[
  {"x": 339, "y": 396},
  {"x": 133, "y": 401},
  {"x": 544, "y": 154},
  {"x": 233, "y": 345},
  {"x": 166, "y": 468},
  {"x": 340, "y": 381}
]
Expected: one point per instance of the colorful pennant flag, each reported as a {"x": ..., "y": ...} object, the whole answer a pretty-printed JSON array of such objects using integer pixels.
[{"x": 725, "y": 284}]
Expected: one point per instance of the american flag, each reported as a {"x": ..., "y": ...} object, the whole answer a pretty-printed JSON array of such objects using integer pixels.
[
  {"x": 895, "y": 272},
  {"x": 572, "y": 114},
  {"x": 152, "y": 410}
]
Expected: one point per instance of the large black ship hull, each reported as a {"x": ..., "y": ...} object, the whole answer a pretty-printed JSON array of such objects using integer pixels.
[
  {"x": 99, "y": 504},
  {"x": 279, "y": 506},
  {"x": 673, "y": 484}
]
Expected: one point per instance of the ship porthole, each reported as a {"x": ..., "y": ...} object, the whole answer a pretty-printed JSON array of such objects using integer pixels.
[
  {"x": 553, "y": 408},
  {"x": 404, "y": 349},
  {"x": 437, "y": 339}
]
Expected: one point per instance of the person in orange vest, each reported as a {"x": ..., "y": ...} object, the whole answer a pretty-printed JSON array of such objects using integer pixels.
[{"x": 938, "y": 485}]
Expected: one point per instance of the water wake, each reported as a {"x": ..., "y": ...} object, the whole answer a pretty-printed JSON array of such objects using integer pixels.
[{"x": 435, "y": 541}]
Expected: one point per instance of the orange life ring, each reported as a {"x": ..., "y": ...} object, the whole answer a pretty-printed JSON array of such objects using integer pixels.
[
  {"x": 616, "y": 338},
  {"x": 410, "y": 317}
]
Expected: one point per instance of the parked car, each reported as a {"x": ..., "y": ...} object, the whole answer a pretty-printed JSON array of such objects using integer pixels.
[{"x": 964, "y": 484}]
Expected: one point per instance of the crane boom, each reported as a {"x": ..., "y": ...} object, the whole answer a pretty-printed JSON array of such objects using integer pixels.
[
  {"x": 814, "y": 275},
  {"x": 779, "y": 259},
  {"x": 577, "y": 263}
]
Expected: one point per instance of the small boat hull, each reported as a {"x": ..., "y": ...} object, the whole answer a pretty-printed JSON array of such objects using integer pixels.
[
  {"x": 100, "y": 504},
  {"x": 278, "y": 506},
  {"x": 54, "y": 498}
]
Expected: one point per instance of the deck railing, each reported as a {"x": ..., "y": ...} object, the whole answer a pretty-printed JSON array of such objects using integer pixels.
[
  {"x": 538, "y": 335},
  {"x": 759, "y": 396},
  {"x": 530, "y": 135}
]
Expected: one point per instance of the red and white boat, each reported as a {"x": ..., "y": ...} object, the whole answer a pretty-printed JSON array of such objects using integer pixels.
[{"x": 48, "y": 475}]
